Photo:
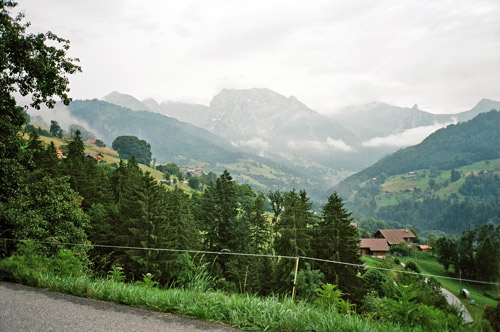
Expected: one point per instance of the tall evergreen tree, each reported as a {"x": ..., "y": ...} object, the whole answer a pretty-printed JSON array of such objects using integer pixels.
[
  {"x": 337, "y": 240},
  {"x": 488, "y": 253},
  {"x": 178, "y": 230},
  {"x": 294, "y": 239}
]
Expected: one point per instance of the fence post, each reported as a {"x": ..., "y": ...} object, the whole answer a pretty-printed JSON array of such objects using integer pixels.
[{"x": 295, "y": 278}]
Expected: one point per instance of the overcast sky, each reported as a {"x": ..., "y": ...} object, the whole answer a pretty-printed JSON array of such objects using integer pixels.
[{"x": 442, "y": 55}]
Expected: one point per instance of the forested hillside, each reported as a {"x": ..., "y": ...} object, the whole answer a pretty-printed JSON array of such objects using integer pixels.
[
  {"x": 444, "y": 185},
  {"x": 454, "y": 146},
  {"x": 169, "y": 138}
]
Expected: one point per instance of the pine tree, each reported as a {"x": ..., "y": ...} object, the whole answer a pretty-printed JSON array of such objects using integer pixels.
[
  {"x": 178, "y": 230},
  {"x": 294, "y": 229},
  {"x": 337, "y": 240}
]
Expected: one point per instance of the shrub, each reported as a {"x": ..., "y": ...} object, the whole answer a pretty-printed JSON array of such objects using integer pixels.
[
  {"x": 308, "y": 282},
  {"x": 411, "y": 266},
  {"x": 67, "y": 263},
  {"x": 403, "y": 248},
  {"x": 375, "y": 281},
  {"x": 493, "y": 316},
  {"x": 147, "y": 281},
  {"x": 116, "y": 274},
  {"x": 330, "y": 298}
]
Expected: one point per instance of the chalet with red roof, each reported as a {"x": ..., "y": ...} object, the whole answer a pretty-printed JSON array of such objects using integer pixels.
[
  {"x": 394, "y": 236},
  {"x": 374, "y": 247}
]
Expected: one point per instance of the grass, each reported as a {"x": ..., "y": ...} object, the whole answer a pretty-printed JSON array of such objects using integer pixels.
[
  {"x": 394, "y": 186},
  {"x": 243, "y": 311},
  {"x": 428, "y": 264}
]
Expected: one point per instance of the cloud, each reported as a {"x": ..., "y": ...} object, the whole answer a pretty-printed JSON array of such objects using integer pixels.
[
  {"x": 338, "y": 144},
  {"x": 329, "y": 54},
  {"x": 60, "y": 114},
  {"x": 255, "y": 143},
  {"x": 328, "y": 144},
  {"x": 408, "y": 137}
]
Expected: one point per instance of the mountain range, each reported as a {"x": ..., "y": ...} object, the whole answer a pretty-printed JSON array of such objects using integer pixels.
[
  {"x": 286, "y": 143},
  {"x": 282, "y": 128}
]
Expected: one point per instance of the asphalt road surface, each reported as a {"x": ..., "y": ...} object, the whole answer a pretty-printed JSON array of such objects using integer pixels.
[
  {"x": 454, "y": 301},
  {"x": 24, "y": 308}
]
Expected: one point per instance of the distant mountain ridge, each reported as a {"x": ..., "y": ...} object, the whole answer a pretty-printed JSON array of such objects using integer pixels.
[
  {"x": 167, "y": 136},
  {"x": 380, "y": 119}
]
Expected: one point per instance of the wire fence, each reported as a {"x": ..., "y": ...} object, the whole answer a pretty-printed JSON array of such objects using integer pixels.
[{"x": 226, "y": 252}]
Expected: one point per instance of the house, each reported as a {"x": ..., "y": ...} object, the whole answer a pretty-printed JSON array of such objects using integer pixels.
[
  {"x": 424, "y": 247},
  {"x": 96, "y": 156},
  {"x": 354, "y": 224},
  {"x": 394, "y": 236},
  {"x": 374, "y": 247},
  {"x": 91, "y": 141}
]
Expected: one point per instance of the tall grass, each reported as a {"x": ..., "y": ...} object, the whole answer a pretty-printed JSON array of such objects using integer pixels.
[{"x": 243, "y": 311}]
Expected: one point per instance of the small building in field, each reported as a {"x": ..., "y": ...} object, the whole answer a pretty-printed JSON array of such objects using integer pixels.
[
  {"x": 424, "y": 247},
  {"x": 394, "y": 236},
  {"x": 377, "y": 248},
  {"x": 96, "y": 156}
]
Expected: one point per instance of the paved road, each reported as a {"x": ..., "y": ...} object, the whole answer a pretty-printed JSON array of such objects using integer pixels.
[
  {"x": 454, "y": 301},
  {"x": 25, "y": 308}
]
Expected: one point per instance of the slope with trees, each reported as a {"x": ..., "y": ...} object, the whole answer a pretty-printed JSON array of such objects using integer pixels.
[{"x": 451, "y": 147}]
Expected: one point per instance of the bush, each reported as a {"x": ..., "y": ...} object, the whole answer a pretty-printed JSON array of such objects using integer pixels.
[
  {"x": 493, "y": 316},
  {"x": 308, "y": 281},
  {"x": 403, "y": 248},
  {"x": 375, "y": 281},
  {"x": 330, "y": 298},
  {"x": 116, "y": 274},
  {"x": 411, "y": 266},
  {"x": 66, "y": 263},
  {"x": 407, "y": 311}
]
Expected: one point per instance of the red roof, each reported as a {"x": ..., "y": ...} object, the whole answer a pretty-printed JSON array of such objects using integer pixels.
[
  {"x": 374, "y": 244},
  {"x": 395, "y": 236}
]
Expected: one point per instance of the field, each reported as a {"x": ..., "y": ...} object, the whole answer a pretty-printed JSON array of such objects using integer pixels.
[
  {"x": 110, "y": 156},
  {"x": 483, "y": 296},
  {"x": 400, "y": 187}
]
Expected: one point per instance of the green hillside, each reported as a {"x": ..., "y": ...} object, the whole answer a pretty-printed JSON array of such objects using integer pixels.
[
  {"x": 449, "y": 182},
  {"x": 451, "y": 147}
]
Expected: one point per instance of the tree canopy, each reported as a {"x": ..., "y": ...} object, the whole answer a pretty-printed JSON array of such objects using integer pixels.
[{"x": 128, "y": 146}]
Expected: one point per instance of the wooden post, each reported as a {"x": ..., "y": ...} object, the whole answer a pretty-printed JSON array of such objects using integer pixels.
[
  {"x": 245, "y": 284},
  {"x": 460, "y": 277},
  {"x": 295, "y": 278}
]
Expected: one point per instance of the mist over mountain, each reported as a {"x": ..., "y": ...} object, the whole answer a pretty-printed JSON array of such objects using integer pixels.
[
  {"x": 451, "y": 147},
  {"x": 266, "y": 123},
  {"x": 282, "y": 128},
  {"x": 169, "y": 137},
  {"x": 380, "y": 119},
  {"x": 195, "y": 114}
]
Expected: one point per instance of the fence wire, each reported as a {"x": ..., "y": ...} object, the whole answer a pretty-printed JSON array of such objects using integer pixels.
[{"x": 227, "y": 252}]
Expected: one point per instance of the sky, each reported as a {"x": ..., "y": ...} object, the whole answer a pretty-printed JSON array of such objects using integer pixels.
[{"x": 442, "y": 55}]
